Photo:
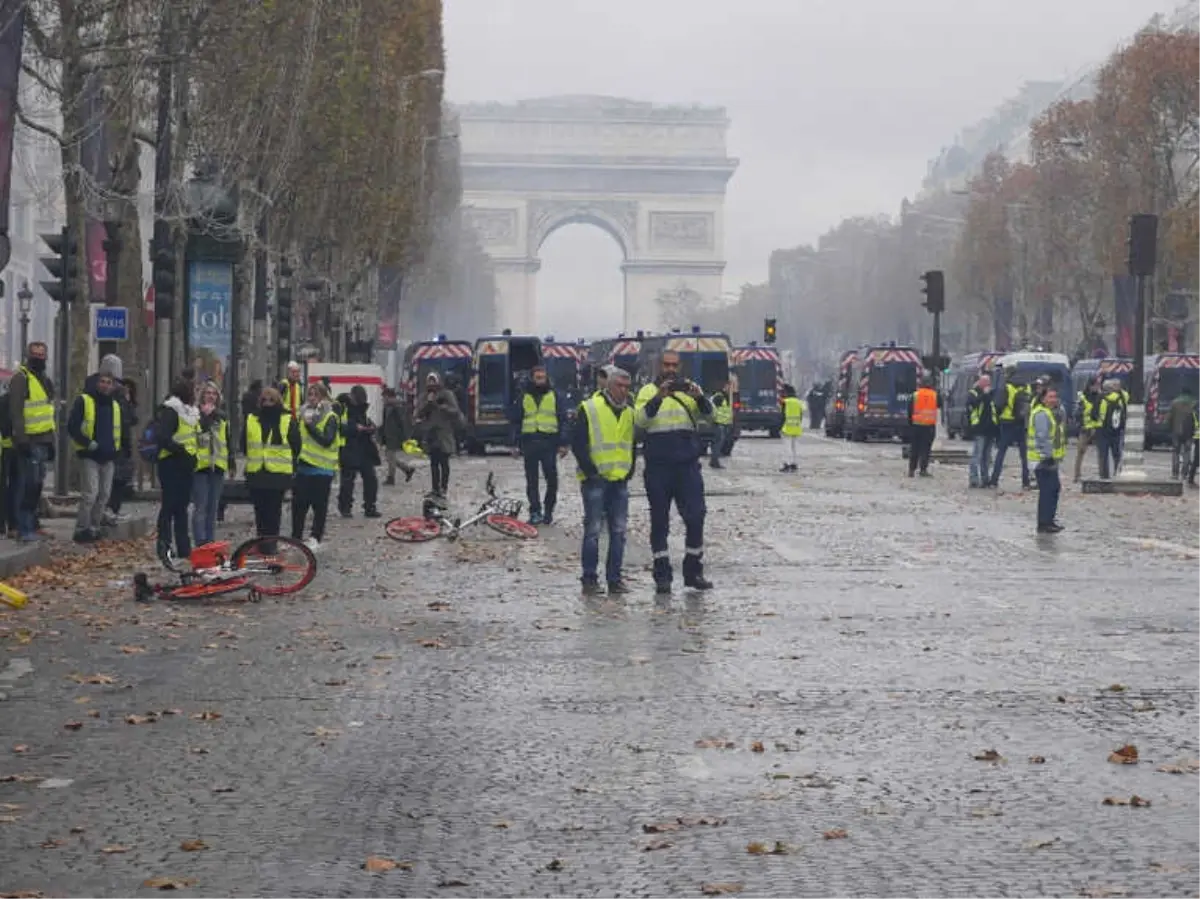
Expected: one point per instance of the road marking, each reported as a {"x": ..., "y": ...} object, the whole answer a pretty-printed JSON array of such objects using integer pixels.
[{"x": 1151, "y": 543}]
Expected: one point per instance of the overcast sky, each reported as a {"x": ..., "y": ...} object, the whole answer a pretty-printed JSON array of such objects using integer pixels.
[{"x": 836, "y": 106}]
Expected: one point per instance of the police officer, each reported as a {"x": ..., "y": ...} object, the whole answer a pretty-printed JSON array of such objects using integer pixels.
[
  {"x": 1089, "y": 422},
  {"x": 669, "y": 411},
  {"x": 540, "y": 441},
  {"x": 1013, "y": 408},
  {"x": 792, "y": 427},
  {"x": 722, "y": 418},
  {"x": 1046, "y": 447}
]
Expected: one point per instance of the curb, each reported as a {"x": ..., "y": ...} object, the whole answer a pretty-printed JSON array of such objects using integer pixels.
[{"x": 21, "y": 556}]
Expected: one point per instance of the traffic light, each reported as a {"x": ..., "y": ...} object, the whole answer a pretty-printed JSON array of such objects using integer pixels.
[
  {"x": 936, "y": 363},
  {"x": 283, "y": 315},
  {"x": 1142, "y": 244},
  {"x": 63, "y": 266},
  {"x": 163, "y": 274},
  {"x": 935, "y": 291},
  {"x": 769, "y": 330}
]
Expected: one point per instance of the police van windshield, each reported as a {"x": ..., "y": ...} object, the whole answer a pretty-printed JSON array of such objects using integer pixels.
[
  {"x": 627, "y": 363},
  {"x": 756, "y": 383},
  {"x": 442, "y": 368},
  {"x": 493, "y": 379},
  {"x": 1028, "y": 372},
  {"x": 891, "y": 378},
  {"x": 714, "y": 371},
  {"x": 1171, "y": 382},
  {"x": 563, "y": 372}
]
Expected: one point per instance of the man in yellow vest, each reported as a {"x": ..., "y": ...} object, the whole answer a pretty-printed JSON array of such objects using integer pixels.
[
  {"x": 31, "y": 413},
  {"x": 1011, "y": 402},
  {"x": 94, "y": 426},
  {"x": 292, "y": 390},
  {"x": 792, "y": 427},
  {"x": 670, "y": 416},
  {"x": 602, "y": 442},
  {"x": 1089, "y": 422},
  {"x": 540, "y": 439},
  {"x": 722, "y": 419},
  {"x": 1046, "y": 447}
]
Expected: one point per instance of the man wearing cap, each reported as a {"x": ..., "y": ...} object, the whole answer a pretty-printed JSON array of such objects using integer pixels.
[{"x": 292, "y": 390}]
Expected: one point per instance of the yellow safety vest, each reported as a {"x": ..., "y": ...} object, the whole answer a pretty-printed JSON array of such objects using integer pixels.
[
  {"x": 88, "y": 427},
  {"x": 1009, "y": 413},
  {"x": 293, "y": 396},
  {"x": 539, "y": 416},
  {"x": 39, "y": 412},
  {"x": 1058, "y": 435},
  {"x": 271, "y": 457},
  {"x": 185, "y": 435},
  {"x": 1090, "y": 423},
  {"x": 610, "y": 439},
  {"x": 645, "y": 395},
  {"x": 722, "y": 414},
  {"x": 312, "y": 453},
  {"x": 793, "y": 417},
  {"x": 217, "y": 455},
  {"x": 677, "y": 412},
  {"x": 340, "y": 441},
  {"x": 1196, "y": 421}
]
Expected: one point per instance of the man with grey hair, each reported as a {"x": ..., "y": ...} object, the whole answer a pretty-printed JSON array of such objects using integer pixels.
[
  {"x": 1112, "y": 427},
  {"x": 602, "y": 442}
]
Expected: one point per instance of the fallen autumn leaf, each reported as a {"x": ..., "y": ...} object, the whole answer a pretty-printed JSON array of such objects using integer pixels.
[
  {"x": 193, "y": 845},
  {"x": 720, "y": 889},
  {"x": 377, "y": 864},
  {"x": 168, "y": 883},
  {"x": 1126, "y": 755},
  {"x": 115, "y": 849},
  {"x": 206, "y": 716},
  {"x": 988, "y": 755},
  {"x": 655, "y": 845},
  {"x": 836, "y": 834}
]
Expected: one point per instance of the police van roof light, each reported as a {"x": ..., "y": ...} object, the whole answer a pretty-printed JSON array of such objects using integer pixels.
[
  {"x": 695, "y": 329},
  {"x": 641, "y": 333},
  {"x": 441, "y": 338},
  {"x": 507, "y": 332}
]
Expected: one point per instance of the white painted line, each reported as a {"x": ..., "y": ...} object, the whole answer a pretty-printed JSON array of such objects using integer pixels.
[{"x": 1151, "y": 543}]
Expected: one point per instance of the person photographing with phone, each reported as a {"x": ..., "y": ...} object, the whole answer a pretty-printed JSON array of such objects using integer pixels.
[{"x": 669, "y": 412}]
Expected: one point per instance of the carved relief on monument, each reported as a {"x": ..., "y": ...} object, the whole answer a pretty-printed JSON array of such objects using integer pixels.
[
  {"x": 546, "y": 215},
  {"x": 681, "y": 230},
  {"x": 495, "y": 227}
]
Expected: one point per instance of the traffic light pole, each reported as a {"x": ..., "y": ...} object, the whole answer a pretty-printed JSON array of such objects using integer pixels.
[{"x": 62, "y": 371}]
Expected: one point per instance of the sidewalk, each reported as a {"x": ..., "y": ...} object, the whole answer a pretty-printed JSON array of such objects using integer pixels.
[{"x": 16, "y": 557}]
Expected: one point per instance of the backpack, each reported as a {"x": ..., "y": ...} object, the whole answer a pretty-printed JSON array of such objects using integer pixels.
[
  {"x": 148, "y": 443},
  {"x": 1021, "y": 406}
]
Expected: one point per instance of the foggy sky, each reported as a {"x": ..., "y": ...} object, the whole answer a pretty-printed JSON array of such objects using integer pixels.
[{"x": 836, "y": 105}]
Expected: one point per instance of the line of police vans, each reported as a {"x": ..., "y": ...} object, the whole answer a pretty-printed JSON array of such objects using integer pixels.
[{"x": 488, "y": 375}]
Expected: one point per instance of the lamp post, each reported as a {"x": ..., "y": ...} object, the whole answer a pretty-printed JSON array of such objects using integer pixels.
[{"x": 24, "y": 306}]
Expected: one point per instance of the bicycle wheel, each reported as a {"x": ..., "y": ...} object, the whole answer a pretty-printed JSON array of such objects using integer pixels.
[
  {"x": 510, "y": 527},
  {"x": 413, "y": 529},
  {"x": 275, "y": 566}
]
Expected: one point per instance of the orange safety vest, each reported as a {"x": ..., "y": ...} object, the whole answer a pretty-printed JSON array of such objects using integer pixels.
[{"x": 925, "y": 407}]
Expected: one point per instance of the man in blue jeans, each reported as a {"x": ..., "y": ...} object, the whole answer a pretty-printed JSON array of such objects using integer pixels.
[
  {"x": 1046, "y": 443},
  {"x": 602, "y": 442}
]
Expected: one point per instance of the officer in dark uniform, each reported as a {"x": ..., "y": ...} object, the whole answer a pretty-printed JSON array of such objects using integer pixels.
[{"x": 669, "y": 414}]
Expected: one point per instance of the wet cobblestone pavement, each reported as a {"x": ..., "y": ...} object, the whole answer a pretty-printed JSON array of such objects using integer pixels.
[{"x": 896, "y": 684}]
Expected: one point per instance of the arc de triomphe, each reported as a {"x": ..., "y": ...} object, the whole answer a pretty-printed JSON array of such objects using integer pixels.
[{"x": 651, "y": 176}]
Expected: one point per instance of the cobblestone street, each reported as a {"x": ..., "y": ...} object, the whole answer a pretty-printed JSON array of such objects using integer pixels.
[{"x": 897, "y": 688}]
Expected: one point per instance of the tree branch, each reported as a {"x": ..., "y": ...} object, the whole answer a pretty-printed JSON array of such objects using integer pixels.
[
  {"x": 39, "y": 128},
  {"x": 39, "y": 78}
]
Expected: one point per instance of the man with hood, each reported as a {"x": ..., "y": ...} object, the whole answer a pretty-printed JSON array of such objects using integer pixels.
[
  {"x": 438, "y": 421},
  {"x": 31, "y": 417},
  {"x": 539, "y": 438},
  {"x": 359, "y": 455},
  {"x": 394, "y": 430},
  {"x": 95, "y": 428}
]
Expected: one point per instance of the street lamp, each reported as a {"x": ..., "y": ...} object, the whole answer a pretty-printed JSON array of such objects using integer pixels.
[{"x": 25, "y": 306}]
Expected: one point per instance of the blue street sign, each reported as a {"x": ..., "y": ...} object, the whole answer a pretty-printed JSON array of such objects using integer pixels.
[{"x": 112, "y": 323}]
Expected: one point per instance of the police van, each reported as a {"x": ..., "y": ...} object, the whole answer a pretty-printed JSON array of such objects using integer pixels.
[
  {"x": 1083, "y": 372},
  {"x": 450, "y": 360},
  {"x": 501, "y": 366},
  {"x": 757, "y": 403},
  {"x": 1026, "y": 366},
  {"x": 1167, "y": 374},
  {"x": 882, "y": 380},
  {"x": 564, "y": 364},
  {"x": 963, "y": 375},
  {"x": 835, "y": 417}
]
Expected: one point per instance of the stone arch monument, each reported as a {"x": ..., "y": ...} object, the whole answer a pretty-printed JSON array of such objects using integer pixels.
[{"x": 652, "y": 176}]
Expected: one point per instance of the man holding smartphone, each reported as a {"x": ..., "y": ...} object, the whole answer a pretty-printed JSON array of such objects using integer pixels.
[{"x": 669, "y": 414}]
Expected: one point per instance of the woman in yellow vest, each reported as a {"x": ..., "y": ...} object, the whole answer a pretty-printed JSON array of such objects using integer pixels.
[
  {"x": 214, "y": 458},
  {"x": 319, "y": 427},
  {"x": 176, "y": 427},
  {"x": 272, "y": 442}
]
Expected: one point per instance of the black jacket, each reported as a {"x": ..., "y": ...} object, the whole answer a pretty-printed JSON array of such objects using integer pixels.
[
  {"x": 105, "y": 436},
  {"x": 360, "y": 449},
  {"x": 988, "y": 425}
]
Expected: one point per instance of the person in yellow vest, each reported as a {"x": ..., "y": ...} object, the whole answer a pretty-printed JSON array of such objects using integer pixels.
[
  {"x": 602, "y": 443},
  {"x": 792, "y": 427},
  {"x": 31, "y": 414},
  {"x": 8, "y": 469},
  {"x": 272, "y": 442},
  {"x": 94, "y": 426},
  {"x": 292, "y": 390},
  {"x": 1011, "y": 402},
  {"x": 1046, "y": 447},
  {"x": 1089, "y": 422},
  {"x": 722, "y": 419},
  {"x": 540, "y": 439},
  {"x": 316, "y": 464},
  {"x": 176, "y": 428},
  {"x": 214, "y": 459}
]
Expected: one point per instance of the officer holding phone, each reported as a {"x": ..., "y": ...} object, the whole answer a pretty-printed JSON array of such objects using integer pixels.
[{"x": 669, "y": 412}]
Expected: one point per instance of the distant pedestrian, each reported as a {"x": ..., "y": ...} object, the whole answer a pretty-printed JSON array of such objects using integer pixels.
[
  {"x": 792, "y": 427},
  {"x": 539, "y": 436},
  {"x": 1089, "y": 422},
  {"x": 602, "y": 442},
  {"x": 983, "y": 430},
  {"x": 438, "y": 420},
  {"x": 817, "y": 398},
  {"x": 271, "y": 440},
  {"x": 359, "y": 456},
  {"x": 1046, "y": 446},
  {"x": 292, "y": 390},
  {"x": 125, "y": 393},
  {"x": 1011, "y": 401},
  {"x": 1179, "y": 424},
  {"x": 722, "y": 419},
  {"x": 177, "y": 426},
  {"x": 394, "y": 430},
  {"x": 316, "y": 464},
  {"x": 94, "y": 426},
  {"x": 214, "y": 458},
  {"x": 1111, "y": 434},
  {"x": 922, "y": 420},
  {"x": 31, "y": 416}
]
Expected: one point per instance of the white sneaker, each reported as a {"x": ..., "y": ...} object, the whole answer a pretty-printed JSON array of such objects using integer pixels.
[{"x": 313, "y": 544}]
